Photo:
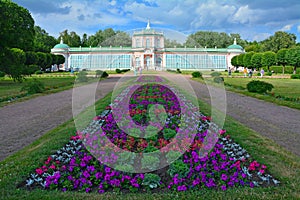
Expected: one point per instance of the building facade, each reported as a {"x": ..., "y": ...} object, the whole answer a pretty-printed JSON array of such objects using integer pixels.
[{"x": 148, "y": 52}]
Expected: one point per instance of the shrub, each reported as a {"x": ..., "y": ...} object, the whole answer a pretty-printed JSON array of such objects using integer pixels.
[
  {"x": 269, "y": 73},
  {"x": 295, "y": 76},
  {"x": 125, "y": 70},
  {"x": 38, "y": 72},
  {"x": 2, "y": 74},
  {"x": 104, "y": 74},
  {"x": 178, "y": 71},
  {"x": 197, "y": 75},
  {"x": 34, "y": 86},
  {"x": 259, "y": 86},
  {"x": 215, "y": 74},
  {"x": 237, "y": 71},
  {"x": 82, "y": 76},
  {"x": 118, "y": 71},
  {"x": 218, "y": 79}
]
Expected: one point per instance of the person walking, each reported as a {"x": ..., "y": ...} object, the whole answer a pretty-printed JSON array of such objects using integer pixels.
[
  {"x": 262, "y": 73},
  {"x": 245, "y": 72}
]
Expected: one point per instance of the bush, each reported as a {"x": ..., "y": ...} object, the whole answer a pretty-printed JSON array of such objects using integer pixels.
[
  {"x": 218, "y": 79},
  {"x": 34, "y": 86},
  {"x": 2, "y": 74},
  {"x": 215, "y": 74},
  {"x": 82, "y": 76},
  {"x": 125, "y": 70},
  {"x": 104, "y": 74},
  {"x": 178, "y": 71},
  {"x": 295, "y": 76},
  {"x": 118, "y": 71},
  {"x": 269, "y": 73},
  {"x": 38, "y": 72},
  {"x": 237, "y": 71},
  {"x": 197, "y": 75},
  {"x": 259, "y": 86}
]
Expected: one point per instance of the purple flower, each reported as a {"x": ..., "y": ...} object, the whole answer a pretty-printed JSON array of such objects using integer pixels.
[
  {"x": 181, "y": 188},
  {"x": 223, "y": 187},
  {"x": 86, "y": 174},
  {"x": 224, "y": 177},
  {"x": 87, "y": 190}
]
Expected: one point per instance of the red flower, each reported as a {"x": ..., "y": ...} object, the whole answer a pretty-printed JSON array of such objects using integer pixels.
[{"x": 39, "y": 171}]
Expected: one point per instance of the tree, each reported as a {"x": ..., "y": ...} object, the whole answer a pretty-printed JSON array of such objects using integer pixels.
[
  {"x": 268, "y": 59},
  {"x": 256, "y": 60},
  {"x": 279, "y": 41},
  {"x": 240, "y": 60},
  {"x": 119, "y": 39},
  {"x": 43, "y": 42},
  {"x": 282, "y": 58},
  {"x": 14, "y": 65},
  {"x": 17, "y": 26},
  {"x": 234, "y": 61},
  {"x": 247, "y": 59},
  {"x": 293, "y": 57},
  {"x": 16, "y": 36}
]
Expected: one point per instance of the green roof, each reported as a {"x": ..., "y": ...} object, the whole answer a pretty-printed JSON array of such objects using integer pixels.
[
  {"x": 234, "y": 46},
  {"x": 61, "y": 46}
]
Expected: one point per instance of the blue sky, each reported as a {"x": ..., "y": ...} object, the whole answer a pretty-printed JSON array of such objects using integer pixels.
[{"x": 252, "y": 19}]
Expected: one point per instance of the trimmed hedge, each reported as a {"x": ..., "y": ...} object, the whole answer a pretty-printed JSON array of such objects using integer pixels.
[
  {"x": 197, "y": 75},
  {"x": 259, "y": 86},
  {"x": 295, "y": 76}
]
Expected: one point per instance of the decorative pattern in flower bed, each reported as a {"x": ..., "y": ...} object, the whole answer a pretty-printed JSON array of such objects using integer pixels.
[{"x": 154, "y": 143}]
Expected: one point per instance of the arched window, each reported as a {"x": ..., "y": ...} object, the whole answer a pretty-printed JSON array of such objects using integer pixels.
[
  {"x": 147, "y": 43},
  {"x": 158, "y": 43}
]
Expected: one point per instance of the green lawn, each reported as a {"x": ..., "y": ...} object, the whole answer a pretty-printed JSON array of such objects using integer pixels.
[
  {"x": 284, "y": 165},
  {"x": 285, "y": 87}
]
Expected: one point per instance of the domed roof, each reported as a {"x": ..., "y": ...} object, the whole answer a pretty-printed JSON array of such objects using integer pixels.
[
  {"x": 235, "y": 46},
  {"x": 61, "y": 45}
]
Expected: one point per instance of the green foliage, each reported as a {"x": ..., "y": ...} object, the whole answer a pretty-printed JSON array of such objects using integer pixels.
[
  {"x": 14, "y": 64},
  {"x": 218, "y": 79},
  {"x": 180, "y": 168},
  {"x": 43, "y": 42},
  {"x": 150, "y": 162},
  {"x": 118, "y": 71},
  {"x": 34, "y": 86},
  {"x": 259, "y": 86},
  {"x": 295, "y": 76},
  {"x": 178, "y": 70},
  {"x": 279, "y": 41},
  {"x": 234, "y": 61},
  {"x": 38, "y": 72},
  {"x": 268, "y": 59},
  {"x": 150, "y": 149},
  {"x": 256, "y": 60},
  {"x": 197, "y": 74},
  {"x": 17, "y": 27},
  {"x": 82, "y": 76},
  {"x": 151, "y": 180},
  {"x": 2, "y": 74},
  {"x": 169, "y": 133},
  {"x": 212, "y": 39},
  {"x": 247, "y": 59}
]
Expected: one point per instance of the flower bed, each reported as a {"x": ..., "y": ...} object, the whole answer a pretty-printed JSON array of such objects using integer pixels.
[{"x": 151, "y": 146}]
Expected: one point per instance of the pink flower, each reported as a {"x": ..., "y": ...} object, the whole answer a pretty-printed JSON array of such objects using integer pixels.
[
  {"x": 222, "y": 131},
  {"x": 39, "y": 171}
]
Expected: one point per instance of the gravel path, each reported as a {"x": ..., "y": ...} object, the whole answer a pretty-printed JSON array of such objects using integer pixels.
[{"x": 24, "y": 122}]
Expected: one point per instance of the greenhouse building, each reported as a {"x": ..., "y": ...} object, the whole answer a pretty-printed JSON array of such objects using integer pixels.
[{"x": 148, "y": 52}]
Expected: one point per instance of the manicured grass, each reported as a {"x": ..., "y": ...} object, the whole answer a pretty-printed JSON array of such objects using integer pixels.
[
  {"x": 285, "y": 87},
  {"x": 282, "y": 164},
  {"x": 10, "y": 91}
]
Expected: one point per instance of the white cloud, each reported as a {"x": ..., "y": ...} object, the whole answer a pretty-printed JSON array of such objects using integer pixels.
[
  {"x": 298, "y": 29},
  {"x": 287, "y": 27}
]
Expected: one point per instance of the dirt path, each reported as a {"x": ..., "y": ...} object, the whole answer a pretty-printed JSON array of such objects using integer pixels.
[{"x": 24, "y": 122}]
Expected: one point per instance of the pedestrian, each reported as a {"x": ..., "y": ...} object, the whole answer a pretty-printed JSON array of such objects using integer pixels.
[
  {"x": 262, "y": 73},
  {"x": 140, "y": 69},
  {"x": 245, "y": 72},
  {"x": 250, "y": 73},
  {"x": 229, "y": 72}
]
